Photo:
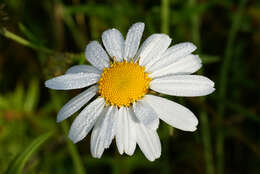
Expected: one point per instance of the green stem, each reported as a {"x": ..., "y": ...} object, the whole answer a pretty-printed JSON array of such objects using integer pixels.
[
  {"x": 23, "y": 41},
  {"x": 165, "y": 8},
  {"x": 206, "y": 139},
  {"x": 77, "y": 35},
  {"x": 8, "y": 34},
  {"x": 223, "y": 85},
  {"x": 205, "y": 128},
  {"x": 79, "y": 167}
]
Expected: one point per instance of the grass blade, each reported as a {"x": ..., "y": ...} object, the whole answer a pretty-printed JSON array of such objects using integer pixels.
[
  {"x": 79, "y": 167},
  {"x": 16, "y": 166},
  {"x": 205, "y": 127},
  {"x": 165, "y": 9},
  {"x": 223, "y": 85}
]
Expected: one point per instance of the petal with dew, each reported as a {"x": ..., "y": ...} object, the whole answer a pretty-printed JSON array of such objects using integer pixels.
[
  {"x": 96, "y": 55},
  {"x": 72, "y": 81},
  {"x": 145, "y": 114},
  {"x": 86, "y": 120},
  {"x": 103, "y": 132},
  {"x": 133, "y": 39},
  {"x": 183, "y": 85},
  {"x": 114, "y": 43},
  {"x": 186, "y": 65},
  {"x": 173, "y": 113},
  {"x": 76, "y": 103},
  {"x": 125, "y": 132},
  {"x": 172, "y": 54},
  {"x": 83, "y": 69},
  {"x": 148, "y": 141},
  {"x": 152, "y": 48}
]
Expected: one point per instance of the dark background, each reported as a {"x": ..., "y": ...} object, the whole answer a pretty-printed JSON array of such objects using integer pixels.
[{"x": 41, "y": 39}]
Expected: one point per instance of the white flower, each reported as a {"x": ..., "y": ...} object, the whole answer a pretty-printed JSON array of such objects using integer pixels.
[{"x": 121, "y": 81}]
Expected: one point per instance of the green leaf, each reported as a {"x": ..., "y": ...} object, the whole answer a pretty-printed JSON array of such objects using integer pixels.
[{"x": 17, "y": 165}]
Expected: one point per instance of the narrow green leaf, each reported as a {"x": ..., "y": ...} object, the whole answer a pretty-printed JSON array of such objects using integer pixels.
[
  {"x": 29, "y": 35},
  {"x": 223, "y": 85},
  {"x": 17, "y": 165},
  {"x": 79, "y": 167},
  {"x": 8, "y": 34}
]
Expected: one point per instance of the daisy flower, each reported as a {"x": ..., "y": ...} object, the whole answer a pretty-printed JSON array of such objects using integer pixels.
[{"x": 120, "y": 81}]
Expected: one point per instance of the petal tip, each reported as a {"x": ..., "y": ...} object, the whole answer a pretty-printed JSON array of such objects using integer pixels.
[
  {"x": 73, "y": 139},
  {"x": 140, "y": 24},
  {"x": 59, "y": 119},
  {"x": 193, "y": 129},
  {"x": 193, "y": 46},
  {"x": 212, "y": 90},
  {"x": 97, "y": 153},
  {"x": 129, "y": 153},
  {"x": 47, "y": 84},
  {"x": 51, "y": 84},
  {"x": 151, "y": 159}
]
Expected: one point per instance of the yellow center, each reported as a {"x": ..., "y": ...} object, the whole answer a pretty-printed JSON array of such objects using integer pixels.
[{"x": 123, "y": 83}]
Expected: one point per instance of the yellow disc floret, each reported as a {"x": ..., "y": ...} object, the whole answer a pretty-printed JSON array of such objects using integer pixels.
[{"x": 123, "y": 83}]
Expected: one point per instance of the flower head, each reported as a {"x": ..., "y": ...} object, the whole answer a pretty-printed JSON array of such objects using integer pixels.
[{"x": 121, "y": 82}]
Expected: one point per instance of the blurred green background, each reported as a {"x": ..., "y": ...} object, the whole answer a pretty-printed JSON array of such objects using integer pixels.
[{"x": 41, "y": 39}]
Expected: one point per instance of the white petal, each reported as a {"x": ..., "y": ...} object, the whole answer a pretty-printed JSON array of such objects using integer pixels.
[
  {"x": 183, "y": 85},
  {"x": 83, "y": 69},
  {"x": 72, "y": 81},
  {"x": 186, "y": 65},
  {"x": 114, "y": 43},
  {"x": 103, "y": 132},
  {"x": 173, "y": 113},
  {"x": 96, "y": 55},
  {"x": 76, "y": 103},
  {"x": 148, "y": 141},
  {"x": 86, "y": 120},
  {"x": 145, "y": 114},
  {"x": 152, "y": 48},
  {"x": 125, "y": 133},
  {"x": 172, "y": 54},
  {"x": 133, "y": 39}
]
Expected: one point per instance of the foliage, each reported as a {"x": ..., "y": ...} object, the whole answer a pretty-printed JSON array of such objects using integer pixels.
[{"x": 41, "y": 39}]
